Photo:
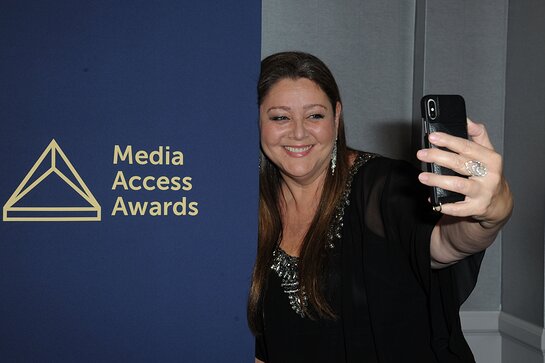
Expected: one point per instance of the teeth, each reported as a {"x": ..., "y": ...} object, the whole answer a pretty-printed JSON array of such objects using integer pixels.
[{"x": 297, "y": 149}]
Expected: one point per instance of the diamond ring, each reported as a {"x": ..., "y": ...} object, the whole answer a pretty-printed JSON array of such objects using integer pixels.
[{"x": 475, "y": 168}]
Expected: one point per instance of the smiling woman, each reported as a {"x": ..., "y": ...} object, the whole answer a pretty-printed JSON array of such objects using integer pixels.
[
  {"x": 299, "y": 129},
  {"x": 353, "y": 264}
]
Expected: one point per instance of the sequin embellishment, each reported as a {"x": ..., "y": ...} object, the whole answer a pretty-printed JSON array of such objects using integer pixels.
[
  {"x": 337, "y": 224},
  {"x": 286, "y": 267}
]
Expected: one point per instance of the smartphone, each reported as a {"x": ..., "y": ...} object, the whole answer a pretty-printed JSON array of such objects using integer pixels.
[{"x": 444, "y": 113}]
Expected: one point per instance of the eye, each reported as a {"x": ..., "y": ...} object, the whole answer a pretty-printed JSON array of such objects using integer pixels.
[
  {"x": 316, "y": 116},
  {"x": 278, "y": 118}
]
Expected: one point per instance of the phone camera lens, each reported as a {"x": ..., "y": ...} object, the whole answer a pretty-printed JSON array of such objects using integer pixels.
[{"x": 432, "y": 109}]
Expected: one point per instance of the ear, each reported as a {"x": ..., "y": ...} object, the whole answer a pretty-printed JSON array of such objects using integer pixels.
[{"x": 338, "y": 110}]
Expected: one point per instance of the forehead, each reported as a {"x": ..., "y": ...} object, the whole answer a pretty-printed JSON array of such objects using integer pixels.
[{"x": 289, "y": 90}]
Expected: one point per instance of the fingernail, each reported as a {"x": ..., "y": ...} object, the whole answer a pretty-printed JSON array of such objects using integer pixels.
[
  {"x": 423, "y": 177},
  {"x": 422, "y": 153},
  {"x": 433, "y": 137}
]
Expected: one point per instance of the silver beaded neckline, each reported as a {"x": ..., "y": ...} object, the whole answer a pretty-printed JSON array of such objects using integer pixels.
[{"x": 287, "y": 267}]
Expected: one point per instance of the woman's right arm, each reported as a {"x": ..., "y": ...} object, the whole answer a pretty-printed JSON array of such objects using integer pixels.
[{"x": 470, "y": 226}]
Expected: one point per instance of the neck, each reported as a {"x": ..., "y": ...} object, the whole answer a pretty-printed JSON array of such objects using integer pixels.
[
  {"x": 298, "y": 205},
  {"x": 304, "y": 197}
]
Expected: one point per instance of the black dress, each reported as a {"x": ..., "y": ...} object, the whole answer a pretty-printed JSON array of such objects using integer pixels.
[{"x": 391, "y": 306}]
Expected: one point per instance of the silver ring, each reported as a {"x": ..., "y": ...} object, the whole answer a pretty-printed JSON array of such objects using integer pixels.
[
  {"x": 438, "y": 208},
  {"x": 475, "y": 168}
]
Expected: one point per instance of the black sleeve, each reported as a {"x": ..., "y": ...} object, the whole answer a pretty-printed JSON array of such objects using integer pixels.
[
  {"x": 410, "y": 219},
  {"x": 260, "y": 348}
]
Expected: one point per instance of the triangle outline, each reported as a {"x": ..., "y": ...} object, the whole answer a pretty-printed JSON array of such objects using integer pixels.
[{"x": 53, "y": 150}]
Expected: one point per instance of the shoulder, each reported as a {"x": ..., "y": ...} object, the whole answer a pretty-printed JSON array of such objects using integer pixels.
[
  {"x": 374, "y": 168},
  {"x": 390, "y": 185}
]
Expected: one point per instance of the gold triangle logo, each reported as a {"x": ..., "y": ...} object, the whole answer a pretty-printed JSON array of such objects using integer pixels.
[{"x": 51, "y": 157}]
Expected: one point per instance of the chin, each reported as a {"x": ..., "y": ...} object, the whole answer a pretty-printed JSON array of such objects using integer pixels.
[{"x": 300, "y": 172}]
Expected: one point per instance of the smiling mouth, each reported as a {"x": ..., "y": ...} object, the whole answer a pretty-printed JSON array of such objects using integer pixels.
[{"x": 300, "y": 149}]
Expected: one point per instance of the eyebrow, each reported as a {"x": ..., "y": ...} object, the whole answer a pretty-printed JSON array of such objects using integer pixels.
[{"x": 305, "y": 107}]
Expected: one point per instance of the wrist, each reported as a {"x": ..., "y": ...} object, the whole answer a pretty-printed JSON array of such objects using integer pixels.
[{"x": 503, "y": 208}]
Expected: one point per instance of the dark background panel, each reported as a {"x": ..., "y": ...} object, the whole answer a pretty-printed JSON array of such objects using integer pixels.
[{"x": 95, "y": 74}]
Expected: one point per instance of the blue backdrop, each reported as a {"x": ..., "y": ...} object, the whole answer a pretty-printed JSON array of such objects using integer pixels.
[{"x": 132, "y": 286}]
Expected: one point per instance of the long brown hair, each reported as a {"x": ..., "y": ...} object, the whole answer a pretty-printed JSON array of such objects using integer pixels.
[{"x": 313, "y": 253}]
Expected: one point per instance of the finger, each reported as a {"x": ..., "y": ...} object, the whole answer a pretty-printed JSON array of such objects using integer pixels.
[
  {"x": 465, "y": 186},
  {"x": 458, "y": 209},
  {"x": 465, "y": 208},
  {"x": 476, "y": 208},
  {"x": 489, "y": 167},
  {"x": 477, "y": 133},
  {"x": 444, "y": 158},
  {"x": 464, "y": 147}
]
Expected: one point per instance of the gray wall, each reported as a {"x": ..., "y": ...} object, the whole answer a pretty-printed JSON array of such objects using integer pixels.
[
  {"x": 370, "y": 47},
  {"x": 464, "y": 53},
  {"x": 524, "y": 154}
]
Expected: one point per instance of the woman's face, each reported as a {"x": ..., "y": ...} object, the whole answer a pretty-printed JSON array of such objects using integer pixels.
[{"x": 298, "y": 128}]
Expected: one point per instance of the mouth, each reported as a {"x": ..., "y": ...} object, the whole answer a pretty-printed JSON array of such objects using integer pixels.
[{"x": 298, "y": 149}]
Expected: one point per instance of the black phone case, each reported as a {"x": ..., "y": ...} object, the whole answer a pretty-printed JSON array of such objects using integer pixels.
[{"x": 450, "y": 118}]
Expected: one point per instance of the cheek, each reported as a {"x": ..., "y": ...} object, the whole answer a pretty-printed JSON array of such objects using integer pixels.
[
  {"x": 269, "y": 134},
  {"x": 324, "y": 132},
  {"x": 266, "y": 140}
]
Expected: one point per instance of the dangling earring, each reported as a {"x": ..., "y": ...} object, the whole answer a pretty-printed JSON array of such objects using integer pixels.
[{"x": 334, "y": 157}]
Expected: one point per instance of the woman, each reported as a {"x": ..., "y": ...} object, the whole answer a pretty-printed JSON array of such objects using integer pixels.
[{"x": 353, "y": 265}]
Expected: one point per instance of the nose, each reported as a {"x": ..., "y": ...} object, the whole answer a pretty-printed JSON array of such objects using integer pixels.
[{"x": 299, "y": 131}]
